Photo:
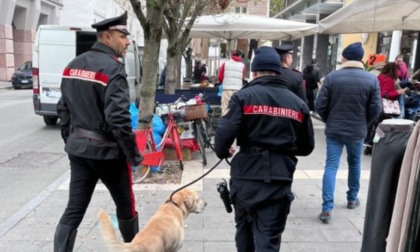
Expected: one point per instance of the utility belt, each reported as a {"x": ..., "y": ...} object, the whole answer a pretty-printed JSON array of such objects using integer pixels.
[
  {"x": 259, "y": 149},
  {"x": 92, "y": 135}
]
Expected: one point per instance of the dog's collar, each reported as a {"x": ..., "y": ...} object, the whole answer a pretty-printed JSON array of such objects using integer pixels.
[{"x": 172, "y": 202}]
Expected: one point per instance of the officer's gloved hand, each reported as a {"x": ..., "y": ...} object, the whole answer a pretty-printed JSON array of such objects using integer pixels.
[
  {"x": 136, "y": 161},
  {"x": 65, "y": 134}
]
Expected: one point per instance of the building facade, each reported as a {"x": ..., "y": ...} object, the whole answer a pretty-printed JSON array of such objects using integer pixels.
[
  {"x": 327, "y": 48},
  {"x": 19, "y": 20}
]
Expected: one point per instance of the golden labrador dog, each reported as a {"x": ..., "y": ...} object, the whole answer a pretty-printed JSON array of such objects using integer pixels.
[{"x": 165, "y": 230}]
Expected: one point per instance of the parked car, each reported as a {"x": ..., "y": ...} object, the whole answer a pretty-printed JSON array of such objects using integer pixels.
[{"x": 23, "y": 76}]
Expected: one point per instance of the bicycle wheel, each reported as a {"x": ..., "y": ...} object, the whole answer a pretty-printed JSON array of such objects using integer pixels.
[
  {"x": 208, "y": 133},
  {"x": 198, "y": 130},
  {"x": 143, "y": 171}
]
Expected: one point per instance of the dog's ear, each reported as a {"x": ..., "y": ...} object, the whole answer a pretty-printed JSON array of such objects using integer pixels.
[
  {"x": 189, "y": 203},
  {"x": 189, "y": 199}
]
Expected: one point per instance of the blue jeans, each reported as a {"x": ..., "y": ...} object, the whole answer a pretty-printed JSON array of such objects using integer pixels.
[{"x": 334, "y": 150}]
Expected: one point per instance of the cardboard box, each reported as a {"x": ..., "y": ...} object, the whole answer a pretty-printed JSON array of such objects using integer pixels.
[{"x": 170, "y": 154}]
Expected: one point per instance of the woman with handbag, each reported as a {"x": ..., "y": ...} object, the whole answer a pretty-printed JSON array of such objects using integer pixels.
[
  {"x": 387, "y": 79},
  {"x": 389, "y": 94}
]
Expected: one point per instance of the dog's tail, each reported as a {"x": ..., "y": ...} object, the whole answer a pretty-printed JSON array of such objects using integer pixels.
[{"x": 109, "y": 235}]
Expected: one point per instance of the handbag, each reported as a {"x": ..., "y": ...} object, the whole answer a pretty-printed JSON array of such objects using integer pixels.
[{"x": 391, "y": 107}]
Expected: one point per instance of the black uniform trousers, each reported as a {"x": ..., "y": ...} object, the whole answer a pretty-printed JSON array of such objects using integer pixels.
[
  {"x": 260, "y": 230},
  {"x": 85, "y": 173}
]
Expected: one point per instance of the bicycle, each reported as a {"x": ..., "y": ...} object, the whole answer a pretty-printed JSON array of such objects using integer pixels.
[
  {"x": 204, "y": 134},
  {"x": 208, "y": 130},
  {"x": 202, "y": 129},
  {"x": 152, "y": 152}
]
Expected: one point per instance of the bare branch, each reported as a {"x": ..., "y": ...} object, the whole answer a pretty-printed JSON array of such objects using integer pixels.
[{"x": 139, "y": 13}]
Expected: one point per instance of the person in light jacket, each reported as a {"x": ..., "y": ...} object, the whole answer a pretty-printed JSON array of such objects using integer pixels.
[{"x": 231, "y": 74}]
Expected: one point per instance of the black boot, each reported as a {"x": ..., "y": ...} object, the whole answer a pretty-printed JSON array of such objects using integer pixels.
[
  {"x": 64, "y": 238},
  {"x": 129, "y": 228}
]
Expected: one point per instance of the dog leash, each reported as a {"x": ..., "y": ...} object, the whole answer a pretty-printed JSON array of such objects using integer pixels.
[{"x": 194, "y": 181}]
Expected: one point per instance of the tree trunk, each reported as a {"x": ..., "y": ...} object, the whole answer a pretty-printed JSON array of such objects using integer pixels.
[
  {"x": 152, "y": 27},
  {"x": 150, "y": 71},
  {"x": 179, "y": 80},
  {"x": 171, "y": 75}
]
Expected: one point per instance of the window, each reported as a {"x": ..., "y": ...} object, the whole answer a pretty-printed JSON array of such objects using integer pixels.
[{"x": 240, "y": 9}]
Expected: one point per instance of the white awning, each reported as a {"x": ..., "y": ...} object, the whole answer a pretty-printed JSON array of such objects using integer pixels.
[{"x": 361, "y": 16}]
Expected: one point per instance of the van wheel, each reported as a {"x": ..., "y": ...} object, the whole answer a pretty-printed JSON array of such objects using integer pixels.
[{"x": 50, "y": 120}]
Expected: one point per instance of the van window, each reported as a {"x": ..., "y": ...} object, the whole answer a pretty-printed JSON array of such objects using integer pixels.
[{"x": 84, "y": 41}]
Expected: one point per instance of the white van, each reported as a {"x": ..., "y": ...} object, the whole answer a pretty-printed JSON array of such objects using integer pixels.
[{"x": 55, "y": 46}]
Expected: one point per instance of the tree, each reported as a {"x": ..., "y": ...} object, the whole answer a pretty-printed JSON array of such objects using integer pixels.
[
  {"x": 276, "y": 6},
  {"x": 152, "y": 24},
  {"x": 179, "y": 18}
]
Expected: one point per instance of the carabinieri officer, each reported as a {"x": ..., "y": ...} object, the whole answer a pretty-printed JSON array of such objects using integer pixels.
[
  {"x": 96, "y": 128},
  {"x": 271, "y": 126}
]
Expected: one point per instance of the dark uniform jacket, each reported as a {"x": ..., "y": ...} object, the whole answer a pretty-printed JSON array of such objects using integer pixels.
[
  {"x": 271, "y": 125},
  {"x": 294, "y": 82},
  {"x": 95, "y": 98}
]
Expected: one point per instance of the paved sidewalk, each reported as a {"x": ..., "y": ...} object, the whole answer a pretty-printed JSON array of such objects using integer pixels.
[
  {"x": 5, "y": 85},
  {"x": 32, "y": 228}
]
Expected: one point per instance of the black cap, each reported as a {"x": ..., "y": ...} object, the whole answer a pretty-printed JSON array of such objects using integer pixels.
[
  {"x": 116, "y": 23},
  {"x": 285, "y": 47}
]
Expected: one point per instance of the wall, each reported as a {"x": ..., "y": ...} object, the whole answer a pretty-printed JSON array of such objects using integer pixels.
[
  {"x": 369, "y": 45},
  {"x": 19, "y": 20}
]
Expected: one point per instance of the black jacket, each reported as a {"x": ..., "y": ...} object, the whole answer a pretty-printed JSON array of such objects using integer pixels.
[
  {"x": 294, "y": 82},
  {"x": 95, "y": 97},
  {"x": 271, "y": 125}
]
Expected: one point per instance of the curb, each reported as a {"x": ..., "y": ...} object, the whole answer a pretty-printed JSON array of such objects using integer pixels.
[
  {"x": 32, "y": 204},
  {"x": 6, "y": 85}
]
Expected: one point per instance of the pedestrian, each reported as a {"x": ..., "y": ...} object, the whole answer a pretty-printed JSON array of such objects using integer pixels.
[
  {"x": 402, "y": 82},
  {"x": 197, "y": 72},
  {"x": 402, "y": 71},
  {"x": 311, "y": 84},
  {"x": 348, "y": 101},
  {"x": 271, "y": 126},
  {"x": 162, "y": 79},
  {"x": 293, "y": 78},
  {"x": 231, "y": 75},
  {"x": 318, "y": 75},
  {"x": 96, "y": 128},
  {"x": 203, "y": 72}
]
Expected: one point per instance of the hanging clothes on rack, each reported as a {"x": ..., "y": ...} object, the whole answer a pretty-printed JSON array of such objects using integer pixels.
[
  {"x": 406, "y": 196},
  {"x": 388, "y": 151}
]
